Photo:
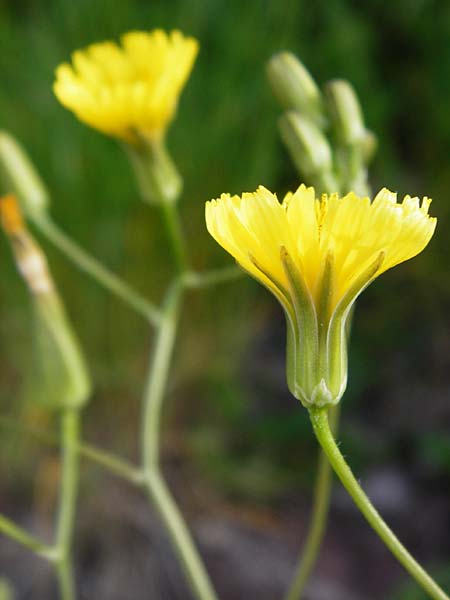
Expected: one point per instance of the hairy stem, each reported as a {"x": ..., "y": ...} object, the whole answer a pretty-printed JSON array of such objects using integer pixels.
[{"x": 319, "y": 418}]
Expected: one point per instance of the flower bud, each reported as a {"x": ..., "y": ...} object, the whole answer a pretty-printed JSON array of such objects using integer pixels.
[
  {"x": 158, "y": 179},
  {"x": 19, "y": 176},
  {"x": 345, "y": 112},
  {"x": 60, "y": 369},
  {"x": 309, "y": 150},
  {"x": 294, "y": 87},
  {"x": 355, "y": 145},
  {"x": 60, "y": 373}
]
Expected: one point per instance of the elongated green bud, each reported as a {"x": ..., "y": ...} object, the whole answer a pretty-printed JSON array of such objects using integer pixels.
[
  {"x": 294, "y": 87},
  {"x": 309, "y": 150},
  {"x": 355, "y": 145},
  {"x": 18, "y": 176},
  {"x": 60, "y": 367},
  {"x": 157, "y": 177},
  {"x": 345, "y": 111},
  {"x": 60, "y": 370}
]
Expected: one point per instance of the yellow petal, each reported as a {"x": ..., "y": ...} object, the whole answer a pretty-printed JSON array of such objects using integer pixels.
[{"x": 354, "y": 230}]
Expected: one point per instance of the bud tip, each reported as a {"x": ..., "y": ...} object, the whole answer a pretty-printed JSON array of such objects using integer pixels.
[{"x": 10, "y": 215}]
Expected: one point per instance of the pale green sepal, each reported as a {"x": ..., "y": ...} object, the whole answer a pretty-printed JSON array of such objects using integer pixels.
[
  {"x": 349, "y": 321},
  {"x": 303, "y": 352},
  {"x": 18, "y": 176},
  {"x": 157, "y": 177},
  {"x": 358, "y": 286},
  {"x": 291, "y": 351},
  {"x": 283, "y": 297},
  {"x": 338, "y": 329},
  {"x": 279, "y": 290},
  {"x": 60, "y": 375},
  {"x": 322, "y": 395},
  {"x": 294, "y": 87},
  {"x": 325, "y": 291},
  {"x": 301, "y": 298}
]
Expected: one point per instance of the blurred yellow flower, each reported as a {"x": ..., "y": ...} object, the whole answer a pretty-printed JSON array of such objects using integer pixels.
[
  {"x": 316, "y": 256},
  {"x": 129, "y": 89}
]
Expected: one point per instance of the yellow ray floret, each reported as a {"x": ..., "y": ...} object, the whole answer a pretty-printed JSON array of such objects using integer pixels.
[
  {"x": 132, "y": 87},
  {"x": 353, "y": 231}
]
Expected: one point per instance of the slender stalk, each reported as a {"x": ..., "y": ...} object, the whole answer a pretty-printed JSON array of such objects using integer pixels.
[
  {"x": 17, "y": 533},
  {"x": 116, "y": 465},
  {"x": 172, "y": 224},
  {"x": 109, "y": 461},
  {"x": 66, "y": 518},
  {"x": 319, "y": 418},
  {"x": 157, "y": 378},
  {"x": 155, "y": 485},
  {"x": 316, "y": 529},
  {"x": 181, "y": 538},
  {"x": 318, "y": 520},
  {"x": 193, "y": 279},
  {"x": 95, "y": 269}
]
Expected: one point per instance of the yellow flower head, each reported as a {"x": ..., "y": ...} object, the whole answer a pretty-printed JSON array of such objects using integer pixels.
[
  {"x": 128, "y": 88},
  {"x": 316, "y": 256}
]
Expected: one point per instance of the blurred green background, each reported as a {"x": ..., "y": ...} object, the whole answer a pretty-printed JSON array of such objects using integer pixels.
[{"x": 237, "y": 447}]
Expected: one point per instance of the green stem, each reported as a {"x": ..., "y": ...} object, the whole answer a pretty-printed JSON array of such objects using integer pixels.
[
  {"x": 156, "y": 175},
  {"x": 95, "y": 269},
  {"x": 116, "y": 465},
  {"x": 70, "y": 425},
  {"x": 155, "y": 485},
  {"x": 182, "y": 541},
  {"x": 157, "y": 378},
  {"x": 119, "y": 467},
  {"x": 174, "y": 231},
  {"x": 318, "y": 521},
  {"x": 319, "y": 418},
  {"x": 17, "y": 533},
  {"x": 193, "y": 279}
]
